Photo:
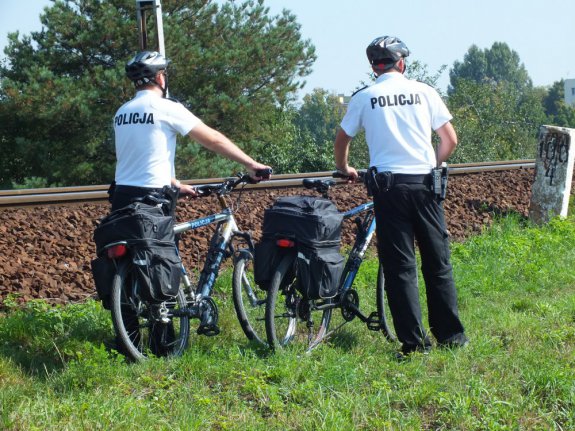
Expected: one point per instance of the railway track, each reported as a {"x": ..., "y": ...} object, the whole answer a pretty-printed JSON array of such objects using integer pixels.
[{"x": 71, "y": 195}]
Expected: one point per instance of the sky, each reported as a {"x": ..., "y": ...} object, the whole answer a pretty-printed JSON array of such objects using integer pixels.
[{"x": 437, "y": 32}]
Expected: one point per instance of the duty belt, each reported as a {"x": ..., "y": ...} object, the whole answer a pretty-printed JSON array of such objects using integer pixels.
[
  {"x": 135, "y": 189},
  {"x": 411, "y": 179}
]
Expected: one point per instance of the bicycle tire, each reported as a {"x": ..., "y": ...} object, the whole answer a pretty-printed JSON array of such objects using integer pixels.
[
  {"x": 139, "y": 331},
  {"x": 284, "y": 307},
  {"x": 249, "y": 299},
  {"x": 382, "y": 307}
]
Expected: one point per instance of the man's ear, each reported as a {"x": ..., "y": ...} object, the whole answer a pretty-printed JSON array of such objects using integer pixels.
[{"x": 377, "y": 69}]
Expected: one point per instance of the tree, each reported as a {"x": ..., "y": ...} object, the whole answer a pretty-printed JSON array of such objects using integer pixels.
[
  {"x": 307, "y": 135},
  {"x": 496, "y": 110},
  {"x": 497, "y": 64},
  {"x": 494, "y": 121},
  {"x": 232, "y": 65},
  {"x": 419, "y": 71}
]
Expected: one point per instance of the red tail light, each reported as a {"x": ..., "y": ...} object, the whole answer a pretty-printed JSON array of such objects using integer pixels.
[
  {"x": 117, "y": 251},
  {"x": 285, "y": 243}
]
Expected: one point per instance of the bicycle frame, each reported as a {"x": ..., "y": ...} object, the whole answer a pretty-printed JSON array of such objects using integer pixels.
[
  {"x": 365, "y": 233},
  {"x": 217, "y": 250}
]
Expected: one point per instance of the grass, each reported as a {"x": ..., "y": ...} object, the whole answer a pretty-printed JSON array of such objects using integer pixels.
[{"x": 516, "y": 288}]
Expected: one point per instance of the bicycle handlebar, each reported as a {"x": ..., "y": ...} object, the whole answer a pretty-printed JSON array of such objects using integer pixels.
[
  {"x": 360, "y": 174},
  {"x": 231, "y": 183},
  {"x": 323, "y": 185}
]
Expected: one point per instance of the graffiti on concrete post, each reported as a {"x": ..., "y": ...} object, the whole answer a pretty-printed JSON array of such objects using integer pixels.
[{"x": 553, "y": 150}]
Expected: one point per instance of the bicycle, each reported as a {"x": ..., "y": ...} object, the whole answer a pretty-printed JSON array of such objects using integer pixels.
[
  {"x": 286, "y": 307},
  {"x": 162, "y": 328}
]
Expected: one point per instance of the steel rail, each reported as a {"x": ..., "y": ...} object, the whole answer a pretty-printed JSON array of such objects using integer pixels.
[{"x": 70, "y": 195}]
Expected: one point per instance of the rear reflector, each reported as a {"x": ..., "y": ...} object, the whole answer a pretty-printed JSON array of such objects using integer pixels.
[
  {"x": 285, "y": 243},
  {"x": 117, "y": 251}
]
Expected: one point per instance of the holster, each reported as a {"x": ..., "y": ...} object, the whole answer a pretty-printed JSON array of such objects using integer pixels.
[
  {"x": 378, "y": 182},
  {"x": 171, "y": 193},
  {"x": 439, "y": 182}
]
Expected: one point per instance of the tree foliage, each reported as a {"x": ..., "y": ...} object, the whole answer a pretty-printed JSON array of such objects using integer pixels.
[
  {"x": 307, "y": 136},
  {"x": 232, "y": 65},
  {"x": 494, "y": 121},
  {"x": 493, "y": 65},
  {"x": 496, "y": 110}
]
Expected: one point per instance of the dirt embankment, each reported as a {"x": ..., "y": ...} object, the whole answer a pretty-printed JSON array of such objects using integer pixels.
[{"x": 45, "y": 251}]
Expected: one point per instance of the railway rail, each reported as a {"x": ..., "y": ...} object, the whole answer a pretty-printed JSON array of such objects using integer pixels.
[{"x": 81, "y": 194}]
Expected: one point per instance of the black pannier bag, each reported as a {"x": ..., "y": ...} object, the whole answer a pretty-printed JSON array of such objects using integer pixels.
[
  {"x": 266, "y": 259},
  {"x": 139, "y": 224},
  {"x": 158, "y": 269},
  {"x": 313, "y": 221},
  {"x": 135, "y": 221},
  {"x": 319, "y": 271},
  {"x": 315, "y": 225}
]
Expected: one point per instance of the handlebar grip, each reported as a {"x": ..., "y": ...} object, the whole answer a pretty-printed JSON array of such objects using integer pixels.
[
  {"x": 204, "y": 190},
  {"x": 338, "y": 174},
  {"x": 309, "y": 183},
  {"x": 264, "y": 173}
]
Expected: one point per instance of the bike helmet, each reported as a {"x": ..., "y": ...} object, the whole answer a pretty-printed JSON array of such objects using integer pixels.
[
  {"x": 386, "y": 50},
  {"x": 143, "y": 68}
]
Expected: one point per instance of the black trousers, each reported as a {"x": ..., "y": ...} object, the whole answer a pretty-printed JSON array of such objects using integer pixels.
[{"x": 405, "y": 213}]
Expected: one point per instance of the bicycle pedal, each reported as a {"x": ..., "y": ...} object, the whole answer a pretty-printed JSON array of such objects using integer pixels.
[
  {"x": 373, "y": 322},
  {"x": 208, "y": 330}
]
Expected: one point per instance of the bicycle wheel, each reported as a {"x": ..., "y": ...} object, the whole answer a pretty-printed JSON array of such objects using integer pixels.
[
  {"x": 249, "y": 300},
  {"x": 286, "y": 308},
  {"x": 383, "y": 308},
  {"x": 281, "y": 305},
  {"x": 144, "y": 328}
]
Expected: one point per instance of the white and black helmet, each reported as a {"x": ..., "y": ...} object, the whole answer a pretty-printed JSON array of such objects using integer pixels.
[
  {"x": 386, "y": 50},
  {"x": 143, "y": 68}
]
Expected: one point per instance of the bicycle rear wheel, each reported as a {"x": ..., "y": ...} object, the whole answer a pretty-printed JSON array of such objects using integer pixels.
[
  {"x": 383, "y": 308},
  {"x": 288, "y": 315},
  {"x": 249, "y": 300},
  {"x": 144, "y": 328}
]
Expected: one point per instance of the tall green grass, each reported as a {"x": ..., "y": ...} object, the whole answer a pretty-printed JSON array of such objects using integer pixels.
[{"x": 58, "y": 369}]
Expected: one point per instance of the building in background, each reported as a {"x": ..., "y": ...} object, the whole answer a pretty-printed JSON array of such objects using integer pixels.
[
  {"x": 344, "y": 100},
  {"x": 570, "y": 92}
]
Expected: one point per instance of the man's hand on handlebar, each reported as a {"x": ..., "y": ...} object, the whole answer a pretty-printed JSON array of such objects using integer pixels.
[
  {"x": 347, "y": 172},
  {"x": 188, "y": 192},
  {"x": 259, "y": 172}
]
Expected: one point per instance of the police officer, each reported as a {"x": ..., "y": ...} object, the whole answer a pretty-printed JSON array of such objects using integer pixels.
[
  {"x": 145, "y": 131},
  {"x": 398, "y": 116}
]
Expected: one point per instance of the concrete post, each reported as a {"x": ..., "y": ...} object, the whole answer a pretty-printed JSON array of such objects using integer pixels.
[{"x": 553, "y": 174}]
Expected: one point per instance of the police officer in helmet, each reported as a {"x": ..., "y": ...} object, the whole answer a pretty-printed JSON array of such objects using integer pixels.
[
  {"x": 145, "y": 134},
  {"x": 398, "y": 116}
]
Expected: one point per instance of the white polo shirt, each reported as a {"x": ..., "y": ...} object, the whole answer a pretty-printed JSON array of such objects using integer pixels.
[
  {"x": 398, "y": 115},
  {"x": 146, "y": 129}
]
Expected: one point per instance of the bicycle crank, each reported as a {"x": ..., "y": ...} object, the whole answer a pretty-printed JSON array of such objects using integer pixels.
[
  {"x": 208, "y": 311},
  {"x": 350, "y": 305}
]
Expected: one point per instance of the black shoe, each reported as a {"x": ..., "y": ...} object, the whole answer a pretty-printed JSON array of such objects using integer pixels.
[
  {"x": 459, "y": 341},
  {"x": 405, "y": 353}
]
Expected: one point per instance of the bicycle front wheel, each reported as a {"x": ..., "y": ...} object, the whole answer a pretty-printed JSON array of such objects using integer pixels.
[
  {"x": 249, "y": 300},
  {"x": 144, "y": 328}
]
